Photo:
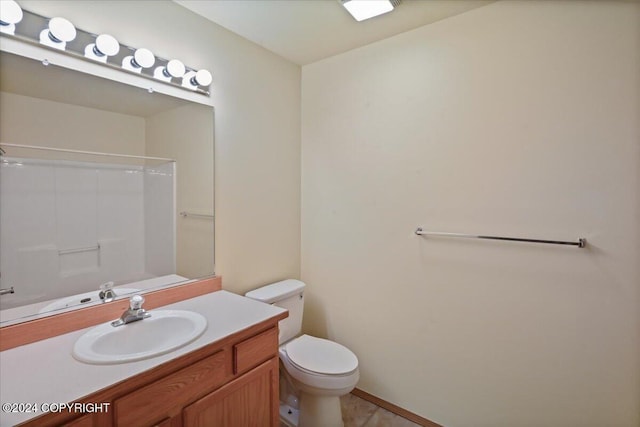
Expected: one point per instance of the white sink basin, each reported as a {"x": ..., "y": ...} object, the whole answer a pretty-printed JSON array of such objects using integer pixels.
[
  {"x": 164, "y": 331},
  {"x": 88, "y": 298}
]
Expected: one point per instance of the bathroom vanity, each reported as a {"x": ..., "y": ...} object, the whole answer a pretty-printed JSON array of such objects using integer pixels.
[{"x": 226, "y": 377}]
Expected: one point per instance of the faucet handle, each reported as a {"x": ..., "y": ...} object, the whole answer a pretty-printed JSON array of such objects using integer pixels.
[
  {"x": 106, "y": 294},
  {"x": 136, "y": 301}
]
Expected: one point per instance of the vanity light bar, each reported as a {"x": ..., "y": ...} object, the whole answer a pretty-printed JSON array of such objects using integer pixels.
[{"x": 60, "y": 34}]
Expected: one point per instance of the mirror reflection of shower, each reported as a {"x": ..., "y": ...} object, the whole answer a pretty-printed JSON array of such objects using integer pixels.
[{"x": 66, "y": 224}]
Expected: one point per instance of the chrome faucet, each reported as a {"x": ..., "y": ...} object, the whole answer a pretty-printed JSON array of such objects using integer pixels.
[
  {"x": 106, "y": 294},
  {"x": 134, "y": 313}
]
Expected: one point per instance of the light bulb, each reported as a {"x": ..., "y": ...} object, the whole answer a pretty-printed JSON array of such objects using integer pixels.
[
  {"x": 141, "y": 58},
  {"x": 59, "y": 32},
  {"x": 203, "y": 78},
  {"x": 10, "y": 15},
  {"x": 104, "y": 47},
  {"x": 193, "y": 79},
  {"x": 174, "y": 68}
]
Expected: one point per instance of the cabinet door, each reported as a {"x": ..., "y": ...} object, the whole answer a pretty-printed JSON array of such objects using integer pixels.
[{"x": 250, "y": 400}]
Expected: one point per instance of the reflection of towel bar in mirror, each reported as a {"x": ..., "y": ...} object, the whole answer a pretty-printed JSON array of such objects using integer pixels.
[
  {"x": 185, "y": 214},
  {"x": 76, "y": 250},
  {"x": 581, "y": 243}
]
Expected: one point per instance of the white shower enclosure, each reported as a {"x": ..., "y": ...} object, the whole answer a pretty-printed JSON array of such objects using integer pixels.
[{"x": 68, "y": 226}]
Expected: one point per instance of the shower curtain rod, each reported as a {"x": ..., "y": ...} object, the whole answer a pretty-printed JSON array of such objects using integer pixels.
[{"x": 93, "y": 153}]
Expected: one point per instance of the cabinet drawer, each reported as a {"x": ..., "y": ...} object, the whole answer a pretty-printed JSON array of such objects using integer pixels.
[
  {"x": 166, "y": 397},
  {"x": 255, "y": 350}
]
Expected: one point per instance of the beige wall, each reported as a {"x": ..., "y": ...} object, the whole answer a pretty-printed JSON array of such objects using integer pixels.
[
  {"x": 516, "y": 119},
  {"x": 256, "y": 95},
  {"x": 33, "y": 121},
  {"x": 186, "y": 135}
]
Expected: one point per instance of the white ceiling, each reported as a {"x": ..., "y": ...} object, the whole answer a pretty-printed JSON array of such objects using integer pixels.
[{"x": 306, "y": 31}]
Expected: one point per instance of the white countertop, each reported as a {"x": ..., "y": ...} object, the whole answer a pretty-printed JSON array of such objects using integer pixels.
[{"x": 46, "y": 372}]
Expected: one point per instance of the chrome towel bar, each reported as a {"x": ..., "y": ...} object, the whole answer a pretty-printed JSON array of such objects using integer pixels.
[
  {"x": 581, "y": 243},
  {"x": 195, "y": 215},
  {"x": 7, "y": 291},
  {"x": 76, "y": 250}
]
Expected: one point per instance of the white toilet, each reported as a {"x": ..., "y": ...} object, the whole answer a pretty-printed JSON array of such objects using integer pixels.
[{"x": 314, "y": 372}]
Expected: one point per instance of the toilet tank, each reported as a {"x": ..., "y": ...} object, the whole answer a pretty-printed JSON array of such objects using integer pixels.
[{"x": 287, "y": 294}]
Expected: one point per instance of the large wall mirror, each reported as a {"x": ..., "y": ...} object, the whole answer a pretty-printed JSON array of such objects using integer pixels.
[{"x": 118, "y": 192}]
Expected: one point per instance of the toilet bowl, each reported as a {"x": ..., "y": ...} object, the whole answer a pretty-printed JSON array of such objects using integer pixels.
[
  {"x": 322, "y": 371},
  {"x": 315, "y": 372},
  {"x": 320, "y": 366}
]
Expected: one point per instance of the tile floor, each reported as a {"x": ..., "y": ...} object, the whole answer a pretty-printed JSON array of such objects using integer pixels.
[{"x": 357, "y": 412}]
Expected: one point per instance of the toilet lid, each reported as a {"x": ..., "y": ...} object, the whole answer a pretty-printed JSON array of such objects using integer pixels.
[{"x": 321, "y": 356}]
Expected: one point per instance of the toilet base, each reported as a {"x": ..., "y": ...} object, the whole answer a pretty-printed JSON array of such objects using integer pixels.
[
  {"x": 288, "y": 415},
  {"x": 320, "y": 411}
]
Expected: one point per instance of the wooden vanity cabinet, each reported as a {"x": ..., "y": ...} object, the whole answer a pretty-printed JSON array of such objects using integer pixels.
[
  {"x": 233, "y": 382},
  {"x": 246, "y": 401}
]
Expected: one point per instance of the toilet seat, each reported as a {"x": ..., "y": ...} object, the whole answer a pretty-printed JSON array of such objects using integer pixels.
[
  {"x": 310, "y": 352},
  {"x": 321, "y": 357}
]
